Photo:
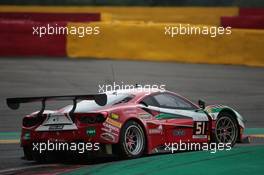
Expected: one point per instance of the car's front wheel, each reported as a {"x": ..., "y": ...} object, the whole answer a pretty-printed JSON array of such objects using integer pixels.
[
  {"x": 226, "y": 130},
  {"x": 132, "y": 140}
]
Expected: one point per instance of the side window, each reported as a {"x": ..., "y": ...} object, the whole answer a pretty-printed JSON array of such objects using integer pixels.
[
  {"x": 166, "y": 100},
  {"x": 150, "y": 101}
]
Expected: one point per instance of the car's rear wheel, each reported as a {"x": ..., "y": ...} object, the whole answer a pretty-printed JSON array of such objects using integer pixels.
[
  {"x": 132, "y": 140},
  {"x": 27, "y": 153},
  {"x": 226, "y": 130}
]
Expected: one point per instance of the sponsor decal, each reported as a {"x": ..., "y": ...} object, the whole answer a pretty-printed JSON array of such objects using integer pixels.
[
  {"x": 56, "y": 127},
  {"x": 113, "y": 122},
  {"x": 178, "y": 132},
  {"x": 91, "y": 131},
  {"x": 26, "y": 136},
  {"x": 199, "y": 136},
  {"x": 107, "y": 136},
  {"x": 157, "y": 130},
  {"x": 109, "y": 131},
  {"x": 163, "y": 116},
  {"x": 129, "y": 111},
  {"x": 110, "y": 127},
  {"x": 114, "y": 116},
  {"x": 199, "y": 128},
  {"x": 144, "y": 116}
]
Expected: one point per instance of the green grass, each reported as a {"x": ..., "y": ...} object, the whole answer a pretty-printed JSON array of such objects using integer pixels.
[
  {"x": 242, "y": 160},
  {"x": 249, "y": 131},
  {"x": 9, "y": 135}
]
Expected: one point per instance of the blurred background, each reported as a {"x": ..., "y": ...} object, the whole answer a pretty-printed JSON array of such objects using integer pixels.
[
  {"x": 252, "y": 3},
  {"x": 132, "y": 48},
  {"x": 136, "y": 23}
]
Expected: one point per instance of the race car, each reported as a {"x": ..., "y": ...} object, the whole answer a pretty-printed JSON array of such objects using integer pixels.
[{"x": 127, "y": 123}]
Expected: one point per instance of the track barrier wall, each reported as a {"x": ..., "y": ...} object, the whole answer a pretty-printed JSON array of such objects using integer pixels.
[
  {"x": 192, "y": 15},
  {"x": 17, "y": 40},
  {"x": 207, "y": 3},
  {"x": 248, "y": 18},
  {"x": 244, "y": 22},
  {"x": 251, "y": 12},
  {"x": 16, "y": 33},
  {"x": 50, "y": 17},
  {"x": 148, "y": 42},
  {"x": 135, "y": 33}
]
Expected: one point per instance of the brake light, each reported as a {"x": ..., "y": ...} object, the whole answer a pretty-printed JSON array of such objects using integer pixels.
[
  {"x": 92, "y": 118},
  {"x": 33, "y": 120}
]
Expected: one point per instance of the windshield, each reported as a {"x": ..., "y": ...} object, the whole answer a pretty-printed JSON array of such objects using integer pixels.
[{"x": 90, "y": 105}]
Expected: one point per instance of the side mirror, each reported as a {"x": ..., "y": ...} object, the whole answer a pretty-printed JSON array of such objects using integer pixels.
[{"x": 201, "y": 104}]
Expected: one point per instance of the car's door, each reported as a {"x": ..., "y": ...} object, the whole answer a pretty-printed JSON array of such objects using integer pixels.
[
  {"x": 154, "y": 126},
  {"x": 183, "y": 120}
]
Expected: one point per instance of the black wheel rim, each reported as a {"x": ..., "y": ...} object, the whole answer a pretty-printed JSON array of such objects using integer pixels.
[{"x": 226, "y": 130}]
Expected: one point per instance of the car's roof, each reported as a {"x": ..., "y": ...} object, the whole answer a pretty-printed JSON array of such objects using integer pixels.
[
  {"x": 138, "y": 93},
  {"x": 135, "y": 91}
]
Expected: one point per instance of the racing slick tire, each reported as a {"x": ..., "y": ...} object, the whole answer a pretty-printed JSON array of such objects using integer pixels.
[
  {"x": 226, "y": 129},
  {"x": 27, "y": 153},
  {"x": 132, "y": 141},
  {"x": 45, "y": 157}
]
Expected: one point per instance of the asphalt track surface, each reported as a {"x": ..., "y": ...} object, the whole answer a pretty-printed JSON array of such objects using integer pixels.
[{"x": 237, "y": 86}]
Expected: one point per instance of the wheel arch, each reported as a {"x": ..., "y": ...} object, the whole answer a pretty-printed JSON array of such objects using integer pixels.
[{"x": 227, "y": 110}]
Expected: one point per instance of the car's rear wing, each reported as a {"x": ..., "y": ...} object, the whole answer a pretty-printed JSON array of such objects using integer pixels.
[{"x": 14, "y": 103}]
